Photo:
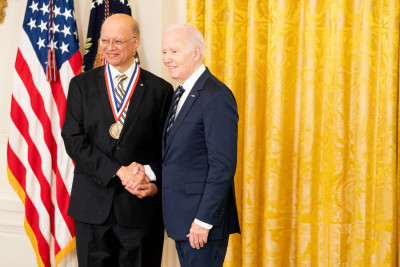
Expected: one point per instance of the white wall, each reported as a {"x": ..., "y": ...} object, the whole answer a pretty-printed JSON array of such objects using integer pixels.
[{"x": 153, "y": 17}]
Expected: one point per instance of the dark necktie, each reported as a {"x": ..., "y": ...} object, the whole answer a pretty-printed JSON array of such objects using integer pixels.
[
  {"x": 178, "y": 93},
  {"x": 120, "y": 92}
]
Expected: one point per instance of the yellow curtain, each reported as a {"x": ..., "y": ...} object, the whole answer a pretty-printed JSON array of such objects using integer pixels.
[{"x": 317, "y": 86}]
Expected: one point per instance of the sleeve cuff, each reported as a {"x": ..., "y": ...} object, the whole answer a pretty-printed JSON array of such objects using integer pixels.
[
  {"x": 203, "y": 224},
  {"x": 149, "y": 172}
]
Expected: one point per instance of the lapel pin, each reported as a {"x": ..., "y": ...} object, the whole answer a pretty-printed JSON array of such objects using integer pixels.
[
  {"x": 193, "y": 95},
  {"x": 141, "y": 84}
]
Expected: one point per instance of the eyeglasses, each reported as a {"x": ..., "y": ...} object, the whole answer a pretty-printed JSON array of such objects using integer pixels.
[{"x": 106, "y": 42}]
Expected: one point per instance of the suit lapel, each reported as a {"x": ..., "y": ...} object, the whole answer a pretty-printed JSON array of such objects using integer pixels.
[
  {"x": 193, "y": 95},
  {"x": 165, "y": 128},
  {"x": 102, "y": 87}
]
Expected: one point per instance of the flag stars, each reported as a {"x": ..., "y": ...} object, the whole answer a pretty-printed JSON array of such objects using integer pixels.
[
  {"x": 66, "y": 31},
  {"x": 34, "y": 6},
  {"x": 42, "y": 26},
  {"x": 40, "y": 43},
  {"x": 44, "y": 9},
  {"x": 53, "y": 45},
  {"x": 55, "y": 28},
  {"x": 64, "y": 48},
  {"x": 99, "y": 2},
  {"x": 32, "y": 23},
  {"x": 67, "y": 14},
  {"x": 58, "y": 35},
  {"x": 57, "y": 11}
]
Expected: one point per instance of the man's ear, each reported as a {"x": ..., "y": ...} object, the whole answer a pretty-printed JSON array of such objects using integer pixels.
[
  {"x": 137, "y": 42},
  {"x": 196, "y": 52}
]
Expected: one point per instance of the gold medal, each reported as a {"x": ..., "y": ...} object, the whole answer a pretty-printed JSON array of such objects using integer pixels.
[{"x": 115, "y": 130}]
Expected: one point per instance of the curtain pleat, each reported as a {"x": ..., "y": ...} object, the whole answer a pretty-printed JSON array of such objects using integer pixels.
[{"x": 317, "y": 87}]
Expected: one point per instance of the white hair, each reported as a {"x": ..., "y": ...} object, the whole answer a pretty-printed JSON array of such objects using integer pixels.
[{"x": 194, "y": 36}]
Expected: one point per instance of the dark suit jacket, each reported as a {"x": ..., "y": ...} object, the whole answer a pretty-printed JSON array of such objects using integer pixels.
[
  {"x": 199, "y": 162},
  {"x": 98, "y": 156}
]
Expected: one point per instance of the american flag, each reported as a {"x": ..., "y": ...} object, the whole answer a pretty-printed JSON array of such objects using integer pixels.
[{"x": 38, "y": 167}]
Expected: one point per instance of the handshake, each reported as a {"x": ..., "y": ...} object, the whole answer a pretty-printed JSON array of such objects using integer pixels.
[{"x": 135, "y": 180}]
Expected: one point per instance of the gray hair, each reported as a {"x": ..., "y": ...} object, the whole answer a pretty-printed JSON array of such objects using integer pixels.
[
  {"x": 194, "y": 36},
  {"x": 135, "y": 28}
]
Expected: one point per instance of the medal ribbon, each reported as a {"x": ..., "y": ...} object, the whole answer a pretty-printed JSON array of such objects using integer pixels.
[{"x": 118, "y": 110}]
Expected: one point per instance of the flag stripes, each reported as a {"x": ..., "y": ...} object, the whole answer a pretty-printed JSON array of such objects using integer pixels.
[{"x": 38, "y": 167}]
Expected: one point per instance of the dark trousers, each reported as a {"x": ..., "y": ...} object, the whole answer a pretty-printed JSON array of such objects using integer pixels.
[
  {"x": 110, "y": 245},
  {"x": 211, "y": 255}
]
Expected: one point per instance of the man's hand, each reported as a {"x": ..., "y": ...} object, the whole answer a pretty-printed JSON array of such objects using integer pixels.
[
  {"x": 140, "y": 186},
  {"x": 141, "y": 190},
  {"x": 197, "y": 236},
  {"x": 134, "y": 172},
  {"x": 125, "y": 174},
  {"x": 136, "y": 167}
]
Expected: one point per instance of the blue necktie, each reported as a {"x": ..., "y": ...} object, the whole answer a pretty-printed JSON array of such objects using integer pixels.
[{"x": 178, "y": 93}]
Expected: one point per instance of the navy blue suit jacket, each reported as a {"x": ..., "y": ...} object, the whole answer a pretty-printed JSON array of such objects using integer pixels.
[{"x": 199, "y": 162}]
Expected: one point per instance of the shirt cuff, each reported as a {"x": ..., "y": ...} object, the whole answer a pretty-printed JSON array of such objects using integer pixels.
[
  {"x": 203, "y": 224},
  {"x": 149, "y": 172}
]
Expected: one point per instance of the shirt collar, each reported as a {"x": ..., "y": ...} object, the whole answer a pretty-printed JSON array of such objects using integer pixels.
[
  {"x": 129, "y": 72},
  {"x": 189, "y": 83}
]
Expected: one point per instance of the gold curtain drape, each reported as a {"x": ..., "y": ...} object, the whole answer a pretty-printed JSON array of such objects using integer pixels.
[
  {"x": 317, "y": 86},
  {"x": 3, "y": 4}
]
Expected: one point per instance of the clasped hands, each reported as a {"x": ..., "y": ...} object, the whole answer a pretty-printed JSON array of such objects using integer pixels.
[{"x": 135, "y": 180}]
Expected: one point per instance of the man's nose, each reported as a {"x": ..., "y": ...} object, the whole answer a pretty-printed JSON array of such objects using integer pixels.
[
  {"x": 111, "y": 46},
  {"x": 166, "y": 58}
]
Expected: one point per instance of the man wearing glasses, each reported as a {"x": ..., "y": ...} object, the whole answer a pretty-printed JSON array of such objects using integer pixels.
[{"x": 114, "y": 120}]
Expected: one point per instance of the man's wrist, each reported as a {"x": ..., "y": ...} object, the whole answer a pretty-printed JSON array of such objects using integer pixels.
[
  {"x": 149, "y": 172},
  {"x": 118, "y": 171},
  {"x": 203, "y": 224}
]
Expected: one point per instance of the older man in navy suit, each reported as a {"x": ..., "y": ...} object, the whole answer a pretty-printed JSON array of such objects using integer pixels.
[{"x": 199, "y": 154}]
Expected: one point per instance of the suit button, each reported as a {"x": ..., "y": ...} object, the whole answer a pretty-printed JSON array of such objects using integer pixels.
[{"x": 117, "y": 147}]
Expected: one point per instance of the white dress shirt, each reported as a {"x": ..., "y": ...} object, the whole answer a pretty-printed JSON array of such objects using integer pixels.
[
  {"x": 115, "y": 75},
  {"x": 188, "y": 85}
]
